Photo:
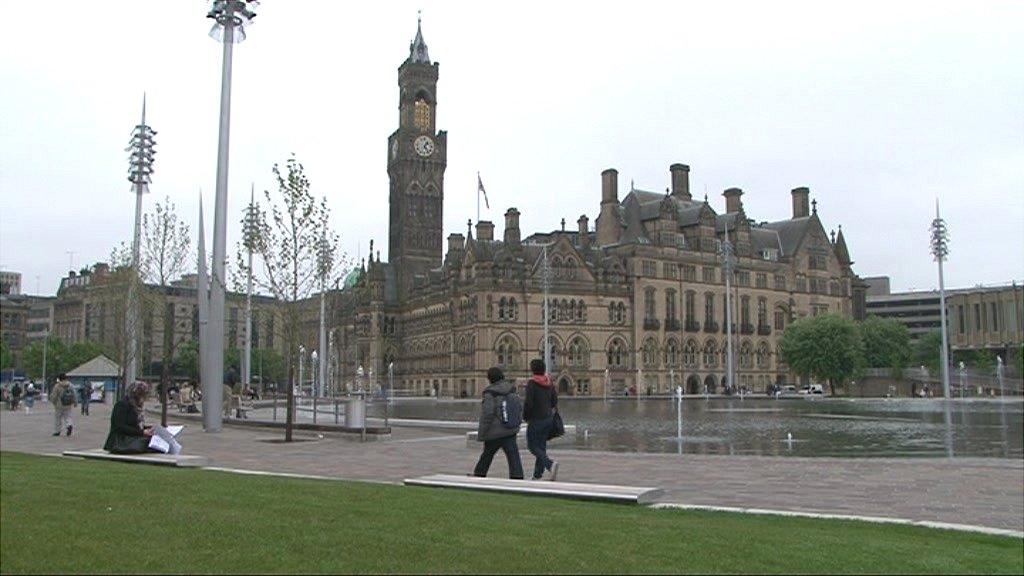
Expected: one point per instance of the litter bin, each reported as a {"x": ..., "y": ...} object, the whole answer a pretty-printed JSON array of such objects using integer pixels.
[{"x": 355, "y": 412}]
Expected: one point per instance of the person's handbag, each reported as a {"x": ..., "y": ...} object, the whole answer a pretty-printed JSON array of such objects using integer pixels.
[{"x": 557, "y": 426}]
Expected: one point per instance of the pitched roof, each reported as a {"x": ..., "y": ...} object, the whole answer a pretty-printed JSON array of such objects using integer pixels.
[
  {"x": 100, "y": 366},
  {"x": 791, "y": 232}
]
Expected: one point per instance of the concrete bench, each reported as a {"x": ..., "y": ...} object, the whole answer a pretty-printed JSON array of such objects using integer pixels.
[
  {"x": 626, "y": 494},
  {"x": 180, "y": 460}
]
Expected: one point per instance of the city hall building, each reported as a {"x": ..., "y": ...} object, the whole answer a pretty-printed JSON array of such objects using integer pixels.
[{"x": 637, "y": 301}]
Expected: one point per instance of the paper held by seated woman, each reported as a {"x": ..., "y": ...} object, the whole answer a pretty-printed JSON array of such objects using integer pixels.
[{"x": 166, "y": 439}]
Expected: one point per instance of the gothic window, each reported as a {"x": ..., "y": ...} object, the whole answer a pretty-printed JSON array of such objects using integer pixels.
[
  {"x": 502, "y": 304},
  {"x": 570, "y": 268},
  {"x": 581, "y": 311},
  {"x": 579, "y": 353},
  {"x": 745, "y": 355},
  {"x": 650, "y": 353},
  {"x": 690, "y": 297},
  {"x": 670, "y": 304},
  {"x": 710, "y": 354},
  {"x": 556, "y": 352},
  {"x": 421, "y": 118},
  {"x": 671, "y": 353},
  {"x": 745, "y": 310},
  {"x": 780, "y": 318},
  {"x": 690, "y": 354},
  {"x": 780, "y": 282},
  {"x": 648, "y": 303},
  {"x": 709, "y": 308},
  {"x": 508, "y": 352},
  {"x": 763, "y": 355},
  {"x": 617, "y": 353},
  {"x": 611, "y": 313},
  {"x": 762, "y": 311}
]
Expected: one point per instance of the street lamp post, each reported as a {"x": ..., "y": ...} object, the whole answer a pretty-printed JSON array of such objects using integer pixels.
[
  {"x": 940, "y": 250},
  {"x": 546, "y": 283},
  {"x": 250, "y": 240},
  {"x": 140, "y": 169},
  {"x": 324, "y": 263},
  {"x": 728, "y": 265},
  {"x": 230, "y": 19}
]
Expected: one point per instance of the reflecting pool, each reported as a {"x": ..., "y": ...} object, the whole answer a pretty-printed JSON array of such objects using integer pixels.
[{"x": 799, "y": 426}]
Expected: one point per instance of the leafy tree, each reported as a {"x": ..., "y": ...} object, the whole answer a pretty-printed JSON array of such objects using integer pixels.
[
  {"x": 886, "y": 344},
  {"x": 166, "y": 244},
  {"x": 6, "y": 358},
  {"x": 188, "y": 360},
  {"x": 269, "y": 366},
  {"x": 826, "y": 347},
  {"x": 56, "y": 354},
  {"x": 927, "y": 351},
  {"x": 288, "y": 240}
]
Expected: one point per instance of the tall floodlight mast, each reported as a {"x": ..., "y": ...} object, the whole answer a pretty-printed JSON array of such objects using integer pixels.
[
  {"x": 940, "y": 250},
  {"x": 250, "y": 240},
  {"x": 140, "y": 170},
  {"x": 546, "y": 280},
  {"x": 324, "y": 263},
  {"x": 230, "y": 19}
]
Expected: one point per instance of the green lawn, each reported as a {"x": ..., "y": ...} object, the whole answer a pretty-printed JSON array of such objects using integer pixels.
[{"x": 65, "y": 515}]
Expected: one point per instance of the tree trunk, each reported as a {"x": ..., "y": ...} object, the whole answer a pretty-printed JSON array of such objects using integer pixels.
[{"x": 290, "y": 404}]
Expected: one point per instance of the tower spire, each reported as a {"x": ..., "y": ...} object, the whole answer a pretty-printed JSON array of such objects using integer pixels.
[{"x": 418, "y": 47}]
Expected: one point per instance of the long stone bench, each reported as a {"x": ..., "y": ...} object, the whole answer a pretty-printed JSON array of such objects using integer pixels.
[
  {"x": 179, "y": 460},
  {"x": 626, "y": 494}
]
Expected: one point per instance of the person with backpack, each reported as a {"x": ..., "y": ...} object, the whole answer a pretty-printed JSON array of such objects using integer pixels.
[
  {"x": 538, "y": 411},
  {"x": 15, "y": 396},
  {"x": 501, "y": 415},
  {"x": 64, "y": 399}
]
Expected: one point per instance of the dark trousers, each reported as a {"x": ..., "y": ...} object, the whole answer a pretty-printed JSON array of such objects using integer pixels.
[
  {"x": 85, "y": 403},
  {"x": 491, "y": 447},
  {"x": 537, "y": 441}
]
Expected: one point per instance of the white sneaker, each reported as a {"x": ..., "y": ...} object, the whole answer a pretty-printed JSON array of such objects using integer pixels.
[{"x": 554, "y": 470}]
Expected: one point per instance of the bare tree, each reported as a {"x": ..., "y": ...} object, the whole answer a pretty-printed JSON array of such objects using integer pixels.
[
  {"x": 288, "y": 239},
  {"x": 166, "y": 244}
]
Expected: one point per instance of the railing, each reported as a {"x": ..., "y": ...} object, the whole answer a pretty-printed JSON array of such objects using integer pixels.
[
  {"x": 672, "y": 325},
  {"x": 724, "y": 331},
  {"x": 652, "y": 324},
  {"x": 764, "y": 330},
  {"x": 711, "y": 326},
  {"x": 746, "y": 328},
  {"x": 692, "y": 326}
]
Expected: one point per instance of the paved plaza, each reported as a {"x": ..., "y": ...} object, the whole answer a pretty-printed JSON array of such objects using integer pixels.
[{"x": 985, "y": 492}]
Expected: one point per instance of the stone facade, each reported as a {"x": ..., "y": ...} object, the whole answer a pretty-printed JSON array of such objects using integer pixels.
[{"x": 638, "y": 302}]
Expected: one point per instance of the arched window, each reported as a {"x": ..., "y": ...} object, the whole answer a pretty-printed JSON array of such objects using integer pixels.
[
  {"x": 709, "y": 309},
  {"x": 672, "y": 353},
  {"x": 763, "y": 356},
  {"x": 570, "y": 268},
  {"x": 421, "y": 114},
  {"x": 690, "y": 312},
  {"x": 649, "y": 303},
  {"x": 650, "y": 353},
  {"x": 617, "y": 353},
  {"x": 710, "y": 354},
  {"x": 508, "y": 352},
  {"x": 690, "y": 354},
  {"x": 579, "y": 353},
  {"x": 502, "y": 305},
  {"x": 556, "y": 352},
  {"x": 611, "y": 313},
  {"x": 762, "y": 312},
  {"x": 746, "y": 353},
  {"x": 670, "y": 304},
  {"x": 621, "y": 309}
]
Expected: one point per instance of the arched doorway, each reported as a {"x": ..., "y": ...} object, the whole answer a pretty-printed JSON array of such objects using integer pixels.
[
  {"x": 693, "y": 384},
  {"x": 709, "y": 385},
  {"x": 564, "y": 385}
]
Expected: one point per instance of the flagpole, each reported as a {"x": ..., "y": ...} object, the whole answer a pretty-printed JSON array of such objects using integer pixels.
[{"x": 478, "y": 197}]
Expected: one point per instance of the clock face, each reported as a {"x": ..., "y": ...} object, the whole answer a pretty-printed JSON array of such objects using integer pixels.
[
  {"x": 394, "y": 149},
  {"x": 424, "y": 146}
]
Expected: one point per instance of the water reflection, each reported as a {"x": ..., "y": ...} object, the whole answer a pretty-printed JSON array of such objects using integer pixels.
[{"x": 798, "y": 427}]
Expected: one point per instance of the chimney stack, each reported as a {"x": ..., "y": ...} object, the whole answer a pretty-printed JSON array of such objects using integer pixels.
[
  {"x": 512, "y": 236},
  {"x": 608, "y": 227},
  {"x": 456, "y": 242},
  {"x": 584, "y": 223},
  {"x": 485, "y": 231},
  {"x": 801, "y": 209},
  {"x": 680, "y": 181},
  {"x": 733, "y": 202}
]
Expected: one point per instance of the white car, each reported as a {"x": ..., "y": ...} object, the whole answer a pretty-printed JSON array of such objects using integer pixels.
[{"x": 812, "y": 389}]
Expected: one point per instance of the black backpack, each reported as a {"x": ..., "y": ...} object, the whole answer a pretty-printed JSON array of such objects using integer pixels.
[{"x": 510, "y": 410}]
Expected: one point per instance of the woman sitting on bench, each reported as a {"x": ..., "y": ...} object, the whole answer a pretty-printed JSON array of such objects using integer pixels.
[{"x": 128, "y": 431}]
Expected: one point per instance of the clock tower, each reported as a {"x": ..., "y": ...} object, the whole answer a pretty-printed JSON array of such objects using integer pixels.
[{"x": 417, "y": 156}]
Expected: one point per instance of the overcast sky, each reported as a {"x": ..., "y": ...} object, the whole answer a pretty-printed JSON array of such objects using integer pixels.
[{"x": 878, "y": 107}]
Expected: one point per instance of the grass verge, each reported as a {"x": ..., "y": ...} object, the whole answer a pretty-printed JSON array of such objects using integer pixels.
[{"x": 64, "y": 515}]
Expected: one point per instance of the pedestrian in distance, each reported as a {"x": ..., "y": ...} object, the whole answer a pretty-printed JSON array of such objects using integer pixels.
[
  {"x": 30, "y": 397},
  {"x": 501, "y": 416},
  {"x": 63, "y": 399},
  {"x": 538, "y": 410},
  {"x": 15, "y": 396},
  {"x": 85, "y": 393}
]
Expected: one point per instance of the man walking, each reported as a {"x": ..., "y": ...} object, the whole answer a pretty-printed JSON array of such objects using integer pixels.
[
  {"x": 500, "y": 420},
  {"x": 541, "y": 400},
  {"x": 86, "y": 394},
  {"x": 63, "y": 398}
]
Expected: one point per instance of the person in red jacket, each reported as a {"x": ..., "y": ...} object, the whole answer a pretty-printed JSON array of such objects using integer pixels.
[{"x": 538, "y": 408}]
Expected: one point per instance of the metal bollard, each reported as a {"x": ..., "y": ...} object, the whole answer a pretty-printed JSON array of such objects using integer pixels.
[
  {"x": 314, "y": 409},
  {"x": 335, "y": 410}
]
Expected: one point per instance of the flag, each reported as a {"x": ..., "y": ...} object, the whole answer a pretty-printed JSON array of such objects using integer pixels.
[{"x": 480, "y": 188}]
